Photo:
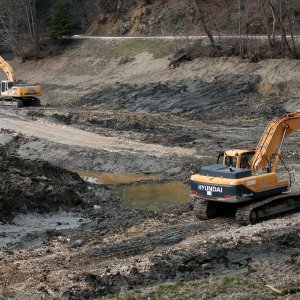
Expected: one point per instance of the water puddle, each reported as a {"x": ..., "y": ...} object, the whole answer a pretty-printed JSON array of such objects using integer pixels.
[
  {"x": 26, "y": 229},
  {"x": 111, "y": 178},
  {"x": 155, "y": 196}
]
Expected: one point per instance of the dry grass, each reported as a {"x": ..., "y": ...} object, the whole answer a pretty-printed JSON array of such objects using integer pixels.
[{"x": 234, "y": 287}]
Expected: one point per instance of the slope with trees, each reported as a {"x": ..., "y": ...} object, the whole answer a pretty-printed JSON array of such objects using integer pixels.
[{"x": 26, "y": 25}]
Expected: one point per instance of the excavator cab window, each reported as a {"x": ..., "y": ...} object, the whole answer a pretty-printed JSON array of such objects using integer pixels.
[
  {"x": 220, "y": 158},
  {"x": 230, "y": 161},
  {"x": 246, "y": 159},
  {"x": 10, "y": 84},
  {"x": 6, "y": 85},
  {"x": 3, "y": 86}
]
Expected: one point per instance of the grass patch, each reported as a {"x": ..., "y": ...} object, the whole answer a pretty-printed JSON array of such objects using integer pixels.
[
  {"x": 7, "y": 297},
  {"x": 169, "y": 288},
  {"x": 117, "y": 49},
  {"x": 157, "y": 47},
  {"x": 233, "y": 287}
]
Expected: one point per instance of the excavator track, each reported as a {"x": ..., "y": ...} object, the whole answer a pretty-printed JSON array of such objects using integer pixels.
[
  {"x": 249, "y": 213},
  {"x": 205, "y": 210},
  {"x": 20, "y": 103},
  {"x": 269, "y": 207}
]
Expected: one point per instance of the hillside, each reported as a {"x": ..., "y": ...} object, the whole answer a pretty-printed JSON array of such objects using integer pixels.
[
  {"x": 64, "y": 82},
  {"x": 166, "y": 17},
  {"x": 244, "y": 21}
]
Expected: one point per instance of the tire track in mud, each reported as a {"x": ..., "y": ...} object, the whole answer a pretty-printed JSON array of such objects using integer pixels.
[
  {"x": 151, "y": 241},
  {"x": 200, "y": 260},
  {"x": 61, "y": 175}
]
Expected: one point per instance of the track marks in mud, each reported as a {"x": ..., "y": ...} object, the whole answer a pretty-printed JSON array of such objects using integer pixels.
[
  {"x": 199, "y": 260},
  {"x": 60, "y": 175},
  {"x": 150, "y": 242}
]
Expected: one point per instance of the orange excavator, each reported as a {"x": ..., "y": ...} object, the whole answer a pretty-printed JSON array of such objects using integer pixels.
[
  {"x": 17, "y": 94},
  {"x": 247, "y": 181}
]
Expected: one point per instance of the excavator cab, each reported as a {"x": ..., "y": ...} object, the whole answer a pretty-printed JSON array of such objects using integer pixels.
[
  {"x": 6, "y": 85},
  {"x": 236, "y": 158}
]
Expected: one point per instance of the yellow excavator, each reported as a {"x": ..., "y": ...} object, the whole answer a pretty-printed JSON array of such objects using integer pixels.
[
  {"x": 247, "y": 181},
  {"x": 17, "y": 94}
]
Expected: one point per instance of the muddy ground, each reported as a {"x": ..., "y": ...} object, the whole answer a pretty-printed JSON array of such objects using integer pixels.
[{"x": 64, "y": 237}]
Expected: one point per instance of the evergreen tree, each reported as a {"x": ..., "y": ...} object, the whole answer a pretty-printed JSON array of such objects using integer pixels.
[{"x": 61, "y": 20}]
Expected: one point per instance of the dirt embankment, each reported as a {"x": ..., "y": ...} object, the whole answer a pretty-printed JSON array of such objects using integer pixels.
[
  {"x": 35, "y": 186},
  {"x": 64, "y": 80}
]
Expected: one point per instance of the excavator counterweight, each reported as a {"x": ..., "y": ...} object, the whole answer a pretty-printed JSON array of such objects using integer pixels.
[{"x": 247, "y": 180}]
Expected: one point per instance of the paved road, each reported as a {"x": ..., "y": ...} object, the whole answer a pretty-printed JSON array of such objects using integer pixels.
[{"x": 191, "y": 37}]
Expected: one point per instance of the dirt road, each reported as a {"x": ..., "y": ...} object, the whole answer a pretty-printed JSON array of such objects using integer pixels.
[{"x": 71, "y": 136}]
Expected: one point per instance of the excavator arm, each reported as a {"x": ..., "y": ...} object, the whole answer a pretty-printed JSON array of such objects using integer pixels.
[
  {"x": 271, "y": 142},
  {"x": 7, "y": 69}
]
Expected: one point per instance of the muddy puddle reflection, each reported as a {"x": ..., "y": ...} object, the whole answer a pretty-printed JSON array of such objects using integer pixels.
[
  {"x": 155, "y": 196},
  {"x": 151, "y": 196},
  {"x": 110, "y": 178}
]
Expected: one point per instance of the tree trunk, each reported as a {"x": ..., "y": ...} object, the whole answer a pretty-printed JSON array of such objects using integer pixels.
[
  {"x": 289, "y": 14},
  {"x": 283, "y": 31},
  {"x": 265, "y": 20},
  {"x": 31, "y": 17},
  {"x": 84, "y": 14},
  {"x": 201, "y": 18},
  {"x": 119, "y": 7}
]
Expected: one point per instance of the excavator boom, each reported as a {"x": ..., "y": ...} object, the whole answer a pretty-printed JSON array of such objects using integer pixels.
[
  {"x": 272, "y": 140},
  {"x": 7, "y": 69}
]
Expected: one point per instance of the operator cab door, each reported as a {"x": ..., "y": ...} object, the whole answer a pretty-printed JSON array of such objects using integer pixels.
[
  {"x": 245, "y": 160},
  {"x": 6, "y": 86},
  {"x": 230, "y": 161}
]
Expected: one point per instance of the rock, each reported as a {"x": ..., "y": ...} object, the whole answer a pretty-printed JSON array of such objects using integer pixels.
[
  {"x": 206, "y": 266},
  {"x": 77, "y": 243}
]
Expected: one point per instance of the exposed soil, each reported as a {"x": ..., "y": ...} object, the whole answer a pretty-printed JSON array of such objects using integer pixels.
[
  {"x": 28, "y": 186},
  {"x": 64, "y": 237}
]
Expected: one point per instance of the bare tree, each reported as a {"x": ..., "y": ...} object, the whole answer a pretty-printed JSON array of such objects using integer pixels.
[
  {"x": 119, "y": 6},
  {"x": 32, "y": 22},
  {"x": 265, "y": 18},
  {"x": 202, "y": 20},
  {"x": 84, "y": 12},
  {"x": 278, "y": 15},
  {"x": 291, "y": 20},
  {"x": 9, "y": 24}
]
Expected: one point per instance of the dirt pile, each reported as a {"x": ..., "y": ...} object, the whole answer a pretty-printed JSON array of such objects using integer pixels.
[{"x": 35, "y": 186}]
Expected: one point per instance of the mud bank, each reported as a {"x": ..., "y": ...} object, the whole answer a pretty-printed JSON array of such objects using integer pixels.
[
  {"x": 227, "y": 96},
  {"x": 35, "y": 186}
]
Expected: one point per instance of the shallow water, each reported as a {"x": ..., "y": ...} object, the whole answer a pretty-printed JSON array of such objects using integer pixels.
[
  {"x": 26, "y": 229},
  {"x": 155, "y": 196},
  {"x": 111, "y": 178}
]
